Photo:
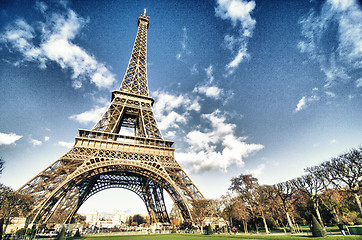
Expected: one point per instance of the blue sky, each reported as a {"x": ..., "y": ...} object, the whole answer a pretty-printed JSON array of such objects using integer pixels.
[{"x": 261, "y": 87}]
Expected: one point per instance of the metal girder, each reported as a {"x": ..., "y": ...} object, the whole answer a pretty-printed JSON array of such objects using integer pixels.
[
  {"x": 132, "y": 112},
  {"x": 102, "y": 158}
]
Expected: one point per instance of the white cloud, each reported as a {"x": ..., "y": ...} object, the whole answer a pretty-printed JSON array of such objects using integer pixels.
[
  {"x": 208, "y": 88},
  {"x": 212, "y": 91},
  {"x": 91, "y": 116},
  {"x": 7, "y": 139},
  {"x": 236, "y": 10},
  {"x": 65, "y": 144},
  {"x": 126, "y": 131},
  {"x": 359, "y": 82},
  {"x": 56, "y": 44},
  {"x": 35, "y": 142},
  {"x": 258, "y": 170},
  {"x": 240, "y": 56},
  {"x": 170, "y": 134},
  {"x": 333, "y": 141},
  {"x": 172, "y": 119},
  {"x": 215, "y": 148},
  {"x": 303, "y": 102},
  {"x": 333, "y": 38},
  {"x": 239, "y": 13},
  {"x": 46, "y": 138},
  {"x": 330, "y": 94},
  {"x": 167, "y": 106}
]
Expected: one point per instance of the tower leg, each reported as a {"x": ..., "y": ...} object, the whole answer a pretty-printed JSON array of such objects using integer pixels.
[{"x": 157, "y": 202}]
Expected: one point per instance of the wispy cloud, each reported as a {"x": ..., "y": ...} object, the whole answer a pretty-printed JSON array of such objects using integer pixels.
[
  {"x": 239, "y": 13},
  {"x": 216, "y": 147},
  {"x": 257, "y": 171},
  {"x": 330, "y": 94},
  {"x": 65, "y": 144},
  {"x": 194, "y": 69},
  {"x": 9, "y": 138},
  {"x": 208, "y": 88},
  {"x": 35, "y": 142},
  {"x": 304, "y": 101},
  {"x": 53, "y": 41},
  {"x": 333, "y": 38},
  {"x": 184, "y": 45}
]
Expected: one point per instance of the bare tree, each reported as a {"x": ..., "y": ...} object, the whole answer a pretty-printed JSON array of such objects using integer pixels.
[
  {"x": 324, "y": 175},
  {"x": 2, "y": 165},
  {"x": 175, "y": 216},
  {"x": 241, "y": 212},
  {"x": 5, "y": 193},
  {"x": 311, "y": 185},
  {"x": 13, "y": 204},
  {"x": 227, "y": 202},
  {"x": 200, "y": 210},
  {"x": 345, "y": 172},
  {"x": 265, "y": 204},
  {"x": 284, "y": 192},
  {"x": 249, "y": 191}
]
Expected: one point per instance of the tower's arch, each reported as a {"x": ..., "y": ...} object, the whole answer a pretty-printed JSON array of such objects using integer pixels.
[{"x": 146, "y": 179}]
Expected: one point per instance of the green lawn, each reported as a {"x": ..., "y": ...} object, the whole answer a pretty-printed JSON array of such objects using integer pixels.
[{"x": 211, "y": 237}]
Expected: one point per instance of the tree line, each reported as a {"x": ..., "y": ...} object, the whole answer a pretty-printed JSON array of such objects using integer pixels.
[{"x": 330, "y": 192}]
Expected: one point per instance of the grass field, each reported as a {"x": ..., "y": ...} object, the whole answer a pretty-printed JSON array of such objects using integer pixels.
[{"x": 212, "y": 237}]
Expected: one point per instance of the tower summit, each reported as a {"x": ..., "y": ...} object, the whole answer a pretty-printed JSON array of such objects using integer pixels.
[
  {"x": 102, "y": 158},
  {"x": 135, "y": 79}
]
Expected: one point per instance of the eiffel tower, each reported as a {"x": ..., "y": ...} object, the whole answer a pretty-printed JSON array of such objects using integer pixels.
[{"x": 102, "y": 158}]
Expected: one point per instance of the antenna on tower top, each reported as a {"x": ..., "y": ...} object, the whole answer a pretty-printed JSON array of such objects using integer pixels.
[{"x": 144, "y": 14}]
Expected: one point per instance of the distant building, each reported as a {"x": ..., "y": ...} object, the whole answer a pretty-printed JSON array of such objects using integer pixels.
[
  {"x": 101, "y": 221},
  {"x": 215, "y": 222},
  {"x": 16, "y": 223},
  {"x": 92, "y": 218},
  {"x": 120, "y": 217}
]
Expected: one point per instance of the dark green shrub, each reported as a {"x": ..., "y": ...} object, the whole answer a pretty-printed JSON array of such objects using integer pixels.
[
  {"x": 30, "y": 232},
  {"x": 61, "y": 235},
  {"x": 316, "y": 228},
  {"x": 209, "y": 230},
  {"x": 77, "y": 233}
]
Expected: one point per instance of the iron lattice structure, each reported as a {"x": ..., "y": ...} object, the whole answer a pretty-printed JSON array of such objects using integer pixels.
[{"x": 102, "y": 158}]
